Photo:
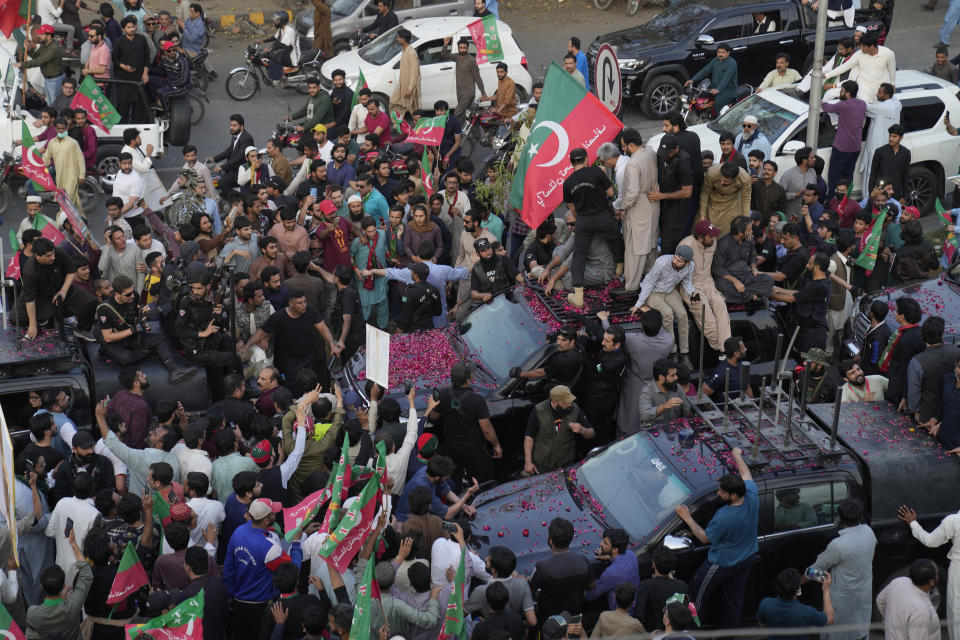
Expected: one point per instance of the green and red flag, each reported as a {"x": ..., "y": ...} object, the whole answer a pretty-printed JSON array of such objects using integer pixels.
[
  {"x": 361, "y": 84},
  {"x": 428, "y": 131},
  {"x": 13, "y": 13},
  {"x": 32, "y": 166},
  {"x": 426, "y": 175},
  {"x": 951, "y": 243},
  {"x": 363, "y": 605},
  {"x": 130, "y": 576},
  {"x": 69, "y": 210},
  {"x": 297, "y": 517},
  {"x": 344, "y": 542},
  {"x": 486, "y": 37},
  {"x": 161, "y": 508},
  {"x": 8, "y": 627},
  {"x": 338, "y": 493},
  {"x": 183, "y": 622},
  {"x": 569, "y": 117},
  {"x": 100, "y": 110},
  {"x": 453, "y": 625},
  {"x": 47, "y": 228},
  {"x": 400, "y": 126},
  {"x": 870, "y": 243}
]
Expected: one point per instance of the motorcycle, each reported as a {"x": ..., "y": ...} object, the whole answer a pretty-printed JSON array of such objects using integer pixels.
[
  {"x": 287, "y": 134},
  {"x": 199, "y": 76},
  {"x": 481, "y": 127},
  {"x": 698, "y": 105},
  {"x": 396, "y": 156},
  {"x": 13, "y": 183},
  {"x": 244, "y": 82}
]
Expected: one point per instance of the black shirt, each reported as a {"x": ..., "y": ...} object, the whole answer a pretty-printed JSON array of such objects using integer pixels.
[
  {"x": 451, "y": 130},
  {"x": 500, "y": 272},
  {"x": 33, "y": 451},
  {"x": 293, "y": 338},
  {"x": 383, "y": 23},
  {"x": 44, "y": 280},
  {"x": 690, "y": 142},
  {"x": 766, "y": 249},
  {"x": 793, "y": 265},
  {"x": 558, "y": 584},
  {"x": 348, "y": 304},
  {"x": 563, "y": 366},
  {"x": 674, "y": 173},
  {"x": 508, "y": 621},
  {"x": 652, "y": 595},
  {"x": 419, "y": 304},
  {"x": 810, "y": 303},
  {"x": 462, "y": 410},
  {"x": 586, "y": 189},
  {"x": 538, "y": 252}
]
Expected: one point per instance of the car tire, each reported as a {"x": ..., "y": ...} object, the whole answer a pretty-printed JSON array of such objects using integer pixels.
[
  {"x": 242, "y": 84},
  {"x": 383, "y": 101},
  {"x": 108, "y": 163},
  {"x": 6, "y": 198},
  {"x": 632, "y": 7},
  {"x": 522, "y": 96},
  {"x": 89, "y": 194},
  {"x": 197, "y": 110},
  {"x": 179, "y": 132},
  {"x": 661, "y": 96},
  {"x": 603, "y": 5},
  {"x": 922, "y": 189}
]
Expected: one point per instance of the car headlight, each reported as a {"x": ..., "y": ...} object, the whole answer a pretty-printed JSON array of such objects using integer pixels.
[{"x": 630, "y": 65}]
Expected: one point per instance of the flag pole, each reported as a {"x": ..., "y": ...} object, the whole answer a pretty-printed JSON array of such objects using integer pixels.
[{"x": 26, "y": 39}]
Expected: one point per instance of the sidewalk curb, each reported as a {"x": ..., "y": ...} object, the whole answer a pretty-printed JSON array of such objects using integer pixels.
[{"x": 254, "y": 17}]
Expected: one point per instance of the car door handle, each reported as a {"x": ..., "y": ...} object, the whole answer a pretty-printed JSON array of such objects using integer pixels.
[
  {"x": 453, "y": 12},
  {"x": 789, "y": 41},
  {"x": 743, "y": 48},
  {"x": 445, "y": 68}
]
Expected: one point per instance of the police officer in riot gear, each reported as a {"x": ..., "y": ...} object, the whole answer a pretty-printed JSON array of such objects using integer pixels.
[
  {"x": 124, "y": 336},
  {"x": 200, "y": 325},
  {"x": 420, "y": 303}
]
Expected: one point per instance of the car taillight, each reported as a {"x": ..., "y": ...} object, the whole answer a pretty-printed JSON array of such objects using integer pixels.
[{"x": 523, "y": 61}]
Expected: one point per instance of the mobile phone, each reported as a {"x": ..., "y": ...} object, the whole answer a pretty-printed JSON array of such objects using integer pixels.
[
  {"x": 407, "y": 388},
  {"x": 436, "y": 394},
  {"x": 574, "y": 620},
  {"x": 29, "y": 466},
  {"x": 68, "y": 528},
  {"x": 449, "y": 526},
  {"x": 313, "y": 192}
]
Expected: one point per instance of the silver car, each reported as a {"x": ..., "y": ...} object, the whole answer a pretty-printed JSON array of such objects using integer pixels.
[{"x": 350, "y": 15}]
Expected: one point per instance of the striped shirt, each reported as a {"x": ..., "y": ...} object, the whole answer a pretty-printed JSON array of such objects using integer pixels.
[{"x": 663, "y": 278}]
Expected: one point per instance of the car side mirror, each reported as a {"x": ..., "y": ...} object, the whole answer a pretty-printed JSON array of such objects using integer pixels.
[
  {"x": 704, "y": 40},
  {"x": 675, "y": 543},
  {"x": 792, "y": 147}
]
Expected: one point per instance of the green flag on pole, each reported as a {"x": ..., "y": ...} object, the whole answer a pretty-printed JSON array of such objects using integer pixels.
[{"x": 361, "y": 84}]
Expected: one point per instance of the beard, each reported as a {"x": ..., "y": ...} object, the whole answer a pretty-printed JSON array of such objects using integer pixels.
[
  {"x": 145, "y": 384},
  {"x": 670, "y": 386},
  {"x": 859, "y": 381}
]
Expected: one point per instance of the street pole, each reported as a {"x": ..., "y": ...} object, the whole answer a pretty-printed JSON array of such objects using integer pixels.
[{"x": 816, "y": 84}]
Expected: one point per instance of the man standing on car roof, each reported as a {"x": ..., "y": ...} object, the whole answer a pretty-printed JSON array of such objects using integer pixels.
[
  {"x": 467, "y": 74},
  {"x": 46, "y": 279},
  {"x": 466, "y": 424},
  {"x": 732, "y": 536}
]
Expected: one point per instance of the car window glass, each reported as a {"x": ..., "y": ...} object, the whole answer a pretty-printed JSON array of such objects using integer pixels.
[
  {"x": 772, "y": 119},
  {"x": 402, "y": 5},
  {"x": 807, "y": 505},
  {"x": 825, "y": 135},
  {"x": 773, "y": 18},
  {"x": 383, "y": 49},
  {"x": 429, "y": 3},
  {"x": 430, "y": 52},
  {"x": 919, "y": 114},
  {"x": 344, "y": 7},
  {"x": 789, "y": 19},
  {"x": 723, "y": 29}
]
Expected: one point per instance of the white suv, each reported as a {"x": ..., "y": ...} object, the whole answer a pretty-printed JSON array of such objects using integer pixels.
[
  {"x": 380, "y": 62},
  {"x": 782, "y": 115}
]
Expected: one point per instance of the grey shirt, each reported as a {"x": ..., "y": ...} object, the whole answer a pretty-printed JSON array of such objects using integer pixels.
[
  {"x": 242, "y": 263},
  {"x": 520, "y": 600},
  {"x": 849, "y": 559},
  {"x": 652, "y": 397},
  {"x": 794, "y": 180},
  {"x": 138, "y": 461}
]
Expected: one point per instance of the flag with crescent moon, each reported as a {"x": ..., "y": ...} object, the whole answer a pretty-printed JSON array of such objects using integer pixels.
[
  {"x": 32, "y": 165},
  {"x": 568, "y": 117},
  {"x": 8, "y": 627}
]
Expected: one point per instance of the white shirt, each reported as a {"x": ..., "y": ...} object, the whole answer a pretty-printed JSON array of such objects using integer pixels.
[
  {"x": 141, "y": 161},
  {"x": 907, "y": 612},
  {"x": 192, "y": 460},
  {"x": 357, "y": 117},
  {"x": 83, "y": 513},
  {"x": 288, "y": 466},
  {"x": 877, "y": 385},
  {"x": 618, "y": 172},
  {"x": 119, "y": 469},
  {"x": 127, "y": 185},
  {"x": 325, "y": 151},
  {"x": 398, "y": 460},
  {"x": 155, "y": 245},
  {"x": 311, "y": 547},
  {"x": 446, "y": 553},
  {"x": 872, "y": 71},
  {"x": 208, "y": 512},
  {"x": 8, "y": 586},
  {"x": 49, "y": 12}
]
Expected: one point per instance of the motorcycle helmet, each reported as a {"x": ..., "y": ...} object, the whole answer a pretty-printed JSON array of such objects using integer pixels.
[{"x": 280, "y": 19}]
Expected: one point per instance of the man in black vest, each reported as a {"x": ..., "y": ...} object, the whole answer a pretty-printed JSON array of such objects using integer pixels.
[
  {"x": 420, "y": 303},
  {"x": 124, "y": 336},
  {"x": 491, "y": 274},
  {"x": 925, "y": 373},
  {"x": 810, "y": 304},
  {"x": 905, "y": 343}
]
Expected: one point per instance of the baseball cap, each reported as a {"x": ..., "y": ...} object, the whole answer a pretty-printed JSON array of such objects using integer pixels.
[
  {"x": 426, "y": 447},
  {"x": 481, "y": 243},
  {"x": 562, "y": 393},
  {"x": 421, "y": 270},
  {"x": 320, "y": 127},
  {"x": 261, "y": 451},
  {"x": 685, "y": 252},
  {"x": 668, "y": 141},
  {"x": 276, "y": 182},
  {"x": 750, "y": 120},
  {"x": 262, "y": 507},
  {"x": 160, "y": 600},
  {"x": 704, "y": 228},
  {"x": 327, "y": 206},
  {"x": 168, "y": 45},
  {"x": 555, "y": 627},
  {"x": 45, "y": 29},
  {"x": 578, "y": 155}
]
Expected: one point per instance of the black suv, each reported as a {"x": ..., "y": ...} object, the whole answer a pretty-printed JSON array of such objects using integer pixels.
[
  {"x": 636, "y": 483},
  {"x": 656, "y": 58}
]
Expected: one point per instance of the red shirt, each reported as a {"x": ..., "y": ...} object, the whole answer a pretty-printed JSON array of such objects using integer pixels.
[
  {"x": 336, "y": 246},
  {"x": 381, "y": 120}
]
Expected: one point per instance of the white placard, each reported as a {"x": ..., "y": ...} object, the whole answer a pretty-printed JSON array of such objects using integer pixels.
[{"x": 378, "y": 356}]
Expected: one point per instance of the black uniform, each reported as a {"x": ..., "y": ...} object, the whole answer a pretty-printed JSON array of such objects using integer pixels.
[
  {"x": 382, "y": 23},
  {"x": 420, "y": 303},
  {"x": 599, "y": 386},
  {"x": 586, "y": 189},
  {"x": 217, "y": 349},
  {"x": 120, "y": 316},
  {"x": 564, "y": 367},
  {"x": 672, "y": 175},
  {"x": 810, "y": 314},
  {"x": 42, "y": 282},
  {"x": 493, "y": 275}
]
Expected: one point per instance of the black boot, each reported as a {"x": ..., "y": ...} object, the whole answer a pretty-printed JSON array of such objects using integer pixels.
[{"x": 177, "y": 374}]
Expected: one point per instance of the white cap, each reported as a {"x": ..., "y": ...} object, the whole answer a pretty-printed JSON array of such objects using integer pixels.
[
  {"x": 354, "y": 198},
  {"x": 750, "y": 120},
  {"x": 861, "y": 28},
  {"x": 249, "y": 149},
  {"x": 34, "y": 200}
]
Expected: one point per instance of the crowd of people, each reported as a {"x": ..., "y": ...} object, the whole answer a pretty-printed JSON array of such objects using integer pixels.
[{"x": 256, "y": 268}]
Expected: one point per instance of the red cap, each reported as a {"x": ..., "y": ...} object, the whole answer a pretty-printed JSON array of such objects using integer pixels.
[
  {"x": 327, "y": 207},
  {"x": 704, "y": 228},
  {"x": 261, "y": 451},
  {"x": 45, "y": 29},
  {"x": 179, "y": 512},
  {"x": 168, "y": 44},
  {"x": 913, "y": 212}
]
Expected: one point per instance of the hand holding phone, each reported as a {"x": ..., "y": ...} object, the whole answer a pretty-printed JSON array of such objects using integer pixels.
[{"x": 68, "y": 528}]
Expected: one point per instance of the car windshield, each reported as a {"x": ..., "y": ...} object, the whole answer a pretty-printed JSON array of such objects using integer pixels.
[
  {"x": 345, "y": 7},
  {"x": 483, "y": 331},
  {"x": 677, "y": 22},
  {"x": 383, "y": 49},
  {"x": 773, "y": 119},
  {"x": 634, "y": 485}
]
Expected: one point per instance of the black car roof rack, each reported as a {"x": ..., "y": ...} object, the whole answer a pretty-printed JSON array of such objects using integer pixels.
[{"x": 554, "y": 304}]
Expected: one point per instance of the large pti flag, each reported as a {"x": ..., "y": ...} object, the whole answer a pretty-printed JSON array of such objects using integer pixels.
[
  {"x": 12, "y": 14},
  {"x": 8, "y": 487},
  {"x": 361, "y": 84},
  {"x": 343, "y": 543},
  {"x": 486, "y": 37},
  {"x": 568, "y": 118},
  {"x": 32, "y": 165},
  {"x": 453, "y": 625},
  {"x": 9, "y": 628},
  {"x": 183, "y": 622},
  {"x": 429, "y": 131},
  {"x": 297, "y": 517},
  {"x": 363, "y": 606},
  {"x": 341, "y": 482},
  {"x": 870, "y": 244},
  {"x": 100, "y": 110},
  {"x": 130, "y": 576},
  {"x": 426, "y": 175}
]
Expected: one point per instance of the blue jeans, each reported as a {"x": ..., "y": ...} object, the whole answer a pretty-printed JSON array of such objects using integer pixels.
[
  {"x": 842, "y": 165},
  {"x": 950, "y": 21},
  {"x": 51, "y": 88}
]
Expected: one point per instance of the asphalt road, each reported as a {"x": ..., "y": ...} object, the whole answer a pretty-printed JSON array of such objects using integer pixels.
[{"x": 534, "y": 27}]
